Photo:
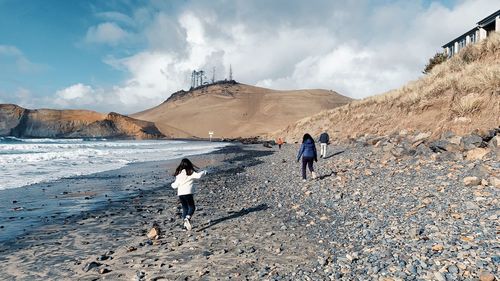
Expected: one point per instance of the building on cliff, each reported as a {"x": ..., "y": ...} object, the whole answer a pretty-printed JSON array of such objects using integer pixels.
[{"x": 482, "y": 30}]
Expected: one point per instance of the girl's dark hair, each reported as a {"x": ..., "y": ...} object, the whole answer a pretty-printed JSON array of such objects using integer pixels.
[
  {"x": 185, "y": 165},
  {"x": 307, "y": 137}
]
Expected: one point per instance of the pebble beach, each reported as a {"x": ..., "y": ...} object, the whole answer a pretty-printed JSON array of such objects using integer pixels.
[{"x": 369, "y": 216}]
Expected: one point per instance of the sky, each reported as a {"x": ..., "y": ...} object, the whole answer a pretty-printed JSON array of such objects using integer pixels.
[{"x": 127, "y": 56}]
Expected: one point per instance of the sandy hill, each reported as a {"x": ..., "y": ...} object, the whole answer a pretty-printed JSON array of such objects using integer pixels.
[
  {"x": 461, "y": 95},
  {"x": 236, "y": 110},
  {"x": 41, "y": 123}
]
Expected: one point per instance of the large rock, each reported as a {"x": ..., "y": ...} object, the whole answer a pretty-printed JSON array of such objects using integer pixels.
[
  {"x": 421, "y": 137},
  {"x": 476, "y": 153},
  {"x": 494, "y": 142},
  {"x": 471, "y": 142}
]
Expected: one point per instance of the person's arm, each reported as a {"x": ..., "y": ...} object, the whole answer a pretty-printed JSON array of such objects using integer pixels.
[
  {"x": 315, "y": 153},
  {"x": 301, "y": 150},
  {"x": 197, "y": 175},
  {"x": 175, "y": 184}
]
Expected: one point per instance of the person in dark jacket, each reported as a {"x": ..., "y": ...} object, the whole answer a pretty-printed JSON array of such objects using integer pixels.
[
  {"x": 324, "y": 139},
  {"x": 308, "y": 153}
]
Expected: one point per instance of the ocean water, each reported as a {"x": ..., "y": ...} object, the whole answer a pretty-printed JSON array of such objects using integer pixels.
[{"x": 29, "y": 161}]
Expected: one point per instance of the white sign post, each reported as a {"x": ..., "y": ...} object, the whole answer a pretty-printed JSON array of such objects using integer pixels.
[{"x": 210, "y": 133}]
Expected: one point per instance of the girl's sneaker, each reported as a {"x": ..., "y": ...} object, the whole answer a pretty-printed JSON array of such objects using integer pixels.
[{"x": 187, "y": 224}]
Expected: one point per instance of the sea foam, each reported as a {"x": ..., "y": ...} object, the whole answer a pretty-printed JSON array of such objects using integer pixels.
[{"x": 29, "y": 161}]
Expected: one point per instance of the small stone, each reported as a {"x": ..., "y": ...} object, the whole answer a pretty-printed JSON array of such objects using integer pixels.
[
  {"x": 453, "y": 269},
  {"x": 472, "y": 181},
  {"x": 154, "y": 233},
  {"x": 495, "y": 182},
  {"x": 439, "y": 276},
  {"x": 104, "y": 271},
  {"x": 486, "y": 276},
  {"x": 437, "y": 247},
  {"x": 471, "y": 206},
  {"x": 91, "y": 265}
]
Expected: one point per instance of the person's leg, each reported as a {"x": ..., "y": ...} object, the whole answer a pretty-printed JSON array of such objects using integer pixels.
[
  {"x": 323, "y": 150},
  {"x": 310, "y": 164},
  {"x": 311, "y": 168},
  {"x": 326, "y": 148},
  {"x": 191, "y": 206},
  {"x": 185, "y": 206},
  {"x": 304, "y": 163}
]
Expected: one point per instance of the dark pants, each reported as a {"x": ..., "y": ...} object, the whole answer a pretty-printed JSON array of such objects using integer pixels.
[
  {"x": 188, "y": 207},
  {"x": 307, "y": 161},
  {"x": 279, "y": 145}
]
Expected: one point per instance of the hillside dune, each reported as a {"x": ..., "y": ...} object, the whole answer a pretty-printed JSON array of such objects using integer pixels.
[
  {"x": 41, "y": 123},
  {"x": 236, "y": 110},
  {"x": 462, "y": 95}
]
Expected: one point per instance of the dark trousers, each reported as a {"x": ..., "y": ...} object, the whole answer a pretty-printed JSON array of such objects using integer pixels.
[
  {"x": 307, "y": 161},
  {"x": 188, "y": 207}
]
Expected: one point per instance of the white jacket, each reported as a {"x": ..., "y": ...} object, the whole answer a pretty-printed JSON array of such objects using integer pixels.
[{"x": 184, "y": 183}]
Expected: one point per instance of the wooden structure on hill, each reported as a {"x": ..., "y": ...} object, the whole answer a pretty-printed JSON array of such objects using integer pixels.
[{"x": 482, "y": 30}]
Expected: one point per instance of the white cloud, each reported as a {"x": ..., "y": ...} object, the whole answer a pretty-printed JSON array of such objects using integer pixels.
[
  {"x": 357, "y": 48},
  {"x": 78, "y": 95},
  {"x": 10, "y": 56},
  {"x": 116, "y": 17},
  {"x": 106, "y": 33}
]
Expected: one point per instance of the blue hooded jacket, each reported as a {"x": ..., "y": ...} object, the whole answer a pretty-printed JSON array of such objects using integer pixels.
[{"x": 307, "y": 149}]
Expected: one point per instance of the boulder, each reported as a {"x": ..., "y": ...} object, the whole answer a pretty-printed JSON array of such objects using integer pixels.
[
  {"x": 455, "y": 140},
  {"x": 476, "y": 153},
  {"x": 471, "y": 142},
  {"x": 421, "y": 137},
  {"x": 439, "y": 145},
  {"x": 494, "y": 142}
]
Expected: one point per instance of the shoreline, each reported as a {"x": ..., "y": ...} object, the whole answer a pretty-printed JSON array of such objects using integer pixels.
[{"x": 50, "y": 201}]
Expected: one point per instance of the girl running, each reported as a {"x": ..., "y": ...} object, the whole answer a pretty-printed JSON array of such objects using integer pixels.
[{"x": 185, "y": 174}]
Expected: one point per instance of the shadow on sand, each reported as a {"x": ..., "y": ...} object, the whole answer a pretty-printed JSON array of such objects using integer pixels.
[
  {"x": 334, "y": 154},
  {"x": 333, "y": 173},
  {"x": 234, "y": 215}
]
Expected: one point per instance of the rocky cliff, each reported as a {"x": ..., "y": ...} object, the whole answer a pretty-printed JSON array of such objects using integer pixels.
[{"x": 48, "y": 123}]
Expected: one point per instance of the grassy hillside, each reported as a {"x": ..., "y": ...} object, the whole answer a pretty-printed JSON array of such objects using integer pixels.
[{"x": 460, "y": 95}]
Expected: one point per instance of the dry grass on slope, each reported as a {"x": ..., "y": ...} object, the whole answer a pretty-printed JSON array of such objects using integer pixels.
[{"x": 460, "y": 95}]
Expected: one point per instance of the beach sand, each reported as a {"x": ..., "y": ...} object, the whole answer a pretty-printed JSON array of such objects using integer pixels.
[{"x": 367, "y": 217}]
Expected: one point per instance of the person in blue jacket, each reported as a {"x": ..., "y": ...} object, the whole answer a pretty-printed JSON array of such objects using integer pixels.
[{"x": 308, "y": 152}]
